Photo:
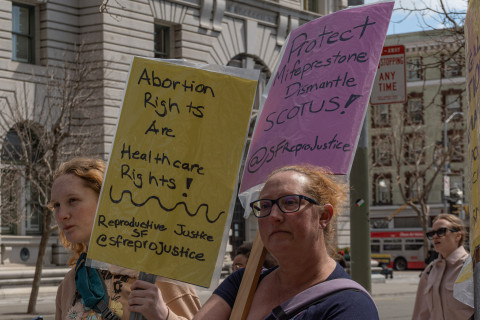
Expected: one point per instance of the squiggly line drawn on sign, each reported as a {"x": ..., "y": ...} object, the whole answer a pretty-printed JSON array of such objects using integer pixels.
[{"x": 141, "y": 204}]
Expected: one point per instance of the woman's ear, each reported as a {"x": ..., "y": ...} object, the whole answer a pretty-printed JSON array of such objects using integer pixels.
[
  {"x": 458, "y": 237},
  {"x": 326, "y": 215}
]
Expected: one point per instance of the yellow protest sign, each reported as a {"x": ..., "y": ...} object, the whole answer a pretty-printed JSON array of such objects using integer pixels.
[
  {"x": 172, "y": 171},
  {"x": 472, "y": 53}
]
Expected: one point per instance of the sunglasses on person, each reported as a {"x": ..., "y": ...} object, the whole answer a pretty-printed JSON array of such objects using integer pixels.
[
  {"x": 287, "y": 204},
  {"x": 440, "y": 232}
]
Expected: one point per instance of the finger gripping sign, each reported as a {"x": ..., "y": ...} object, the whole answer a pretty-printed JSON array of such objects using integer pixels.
[
  {"x": 172, "y": 171},
  {"x": 319, "y": 93}
]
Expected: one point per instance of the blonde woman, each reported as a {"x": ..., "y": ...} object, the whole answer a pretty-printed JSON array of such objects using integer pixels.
[{"x": 435, "y": 290}]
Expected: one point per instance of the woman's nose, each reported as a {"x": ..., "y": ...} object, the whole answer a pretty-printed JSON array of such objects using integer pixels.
[
  {"x": 62, "y": 214},
  {"x": 276, "y": 213}
]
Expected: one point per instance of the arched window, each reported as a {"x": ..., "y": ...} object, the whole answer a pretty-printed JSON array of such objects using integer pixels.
[{"x": 383, "y": 189}]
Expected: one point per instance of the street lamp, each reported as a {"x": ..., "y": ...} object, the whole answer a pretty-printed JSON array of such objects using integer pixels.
[{"x": 445, "y": 170}]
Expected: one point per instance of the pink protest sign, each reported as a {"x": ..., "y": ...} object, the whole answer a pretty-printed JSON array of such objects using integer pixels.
[{"x": 319, "y": 93}]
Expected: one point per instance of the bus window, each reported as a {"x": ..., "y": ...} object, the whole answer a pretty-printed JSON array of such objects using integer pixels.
[
  {"x": 392, "y": 245},
  {"x": 413, "y": 244},
  {"x": 375, "y": 246}
]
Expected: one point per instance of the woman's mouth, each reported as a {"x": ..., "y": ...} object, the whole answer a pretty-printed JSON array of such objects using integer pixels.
[{"x": 277, "y": 232}]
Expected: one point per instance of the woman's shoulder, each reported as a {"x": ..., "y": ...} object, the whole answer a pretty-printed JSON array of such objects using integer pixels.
[
  {"x": 338, "y": 273},
  {"x": 337, "y": 297},
  {"x": 69, "y": 276},
  {"x": 229, "y": 287},
  {"x": 350, "y": 303},
  {"x": 66, "y": 289},
  {"x": 438, "y": 265},
  {"x": 458, "y": 256},
  {"x": 236, "y": 277},
  {"x": 339, "y": 300},
  {"x": 345, "y": 304}
]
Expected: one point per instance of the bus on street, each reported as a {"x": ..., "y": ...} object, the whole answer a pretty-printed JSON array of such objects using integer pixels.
[{"x": 400, "y": 249}]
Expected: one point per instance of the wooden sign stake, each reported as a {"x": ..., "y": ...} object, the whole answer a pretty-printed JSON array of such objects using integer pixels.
[{"x": 250, "y": 281}]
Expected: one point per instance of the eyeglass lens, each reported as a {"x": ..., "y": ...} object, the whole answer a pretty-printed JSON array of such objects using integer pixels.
[{"x": 286, "y": 204}]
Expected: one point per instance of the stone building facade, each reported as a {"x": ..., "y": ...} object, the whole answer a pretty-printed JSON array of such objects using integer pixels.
[{"x": 36, "y": 34}]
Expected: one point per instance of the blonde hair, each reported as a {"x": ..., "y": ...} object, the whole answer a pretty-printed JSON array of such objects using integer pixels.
[
  {"x": 455, "y": 223},
  {"x": 323, "y": 186},
  {"x": 91, "y": 171}
]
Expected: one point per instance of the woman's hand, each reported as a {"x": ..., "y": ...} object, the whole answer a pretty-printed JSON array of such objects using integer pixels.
[{"x": 146, "y": 298}]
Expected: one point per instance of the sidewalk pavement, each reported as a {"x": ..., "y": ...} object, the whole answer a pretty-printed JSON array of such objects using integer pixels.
[
  {"x": 14, "y": 301},
  {"x": 403, "y": 282}
]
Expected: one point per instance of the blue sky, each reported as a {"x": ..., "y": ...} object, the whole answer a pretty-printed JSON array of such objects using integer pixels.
[{"x": 403, "y": 22}]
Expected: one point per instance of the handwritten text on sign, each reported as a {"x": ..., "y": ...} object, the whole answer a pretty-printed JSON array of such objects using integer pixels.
[
  {"x": 172, "y": 170},
  {"x": 319, "y": 93},
  {"x": 472, "y": 52}
]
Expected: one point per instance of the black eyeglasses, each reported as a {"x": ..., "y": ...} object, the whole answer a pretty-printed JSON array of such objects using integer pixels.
[
  {"x": 287, "y": 204},
  {"x": 440, "y": 232}
]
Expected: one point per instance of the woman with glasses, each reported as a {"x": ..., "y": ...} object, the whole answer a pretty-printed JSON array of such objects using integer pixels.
[
  {"x": 435, "y": 290},
  {"x": 295, "y": 211}
]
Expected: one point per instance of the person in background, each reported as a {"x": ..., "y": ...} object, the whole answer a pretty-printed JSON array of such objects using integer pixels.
[
  {"x": 435, "y": 298},
  {"x": 431, "y": 255},
  {"x": 296, "y": 207},
  {"x": 87, "y": 293},
  {"x": 243, "y": 253}
]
